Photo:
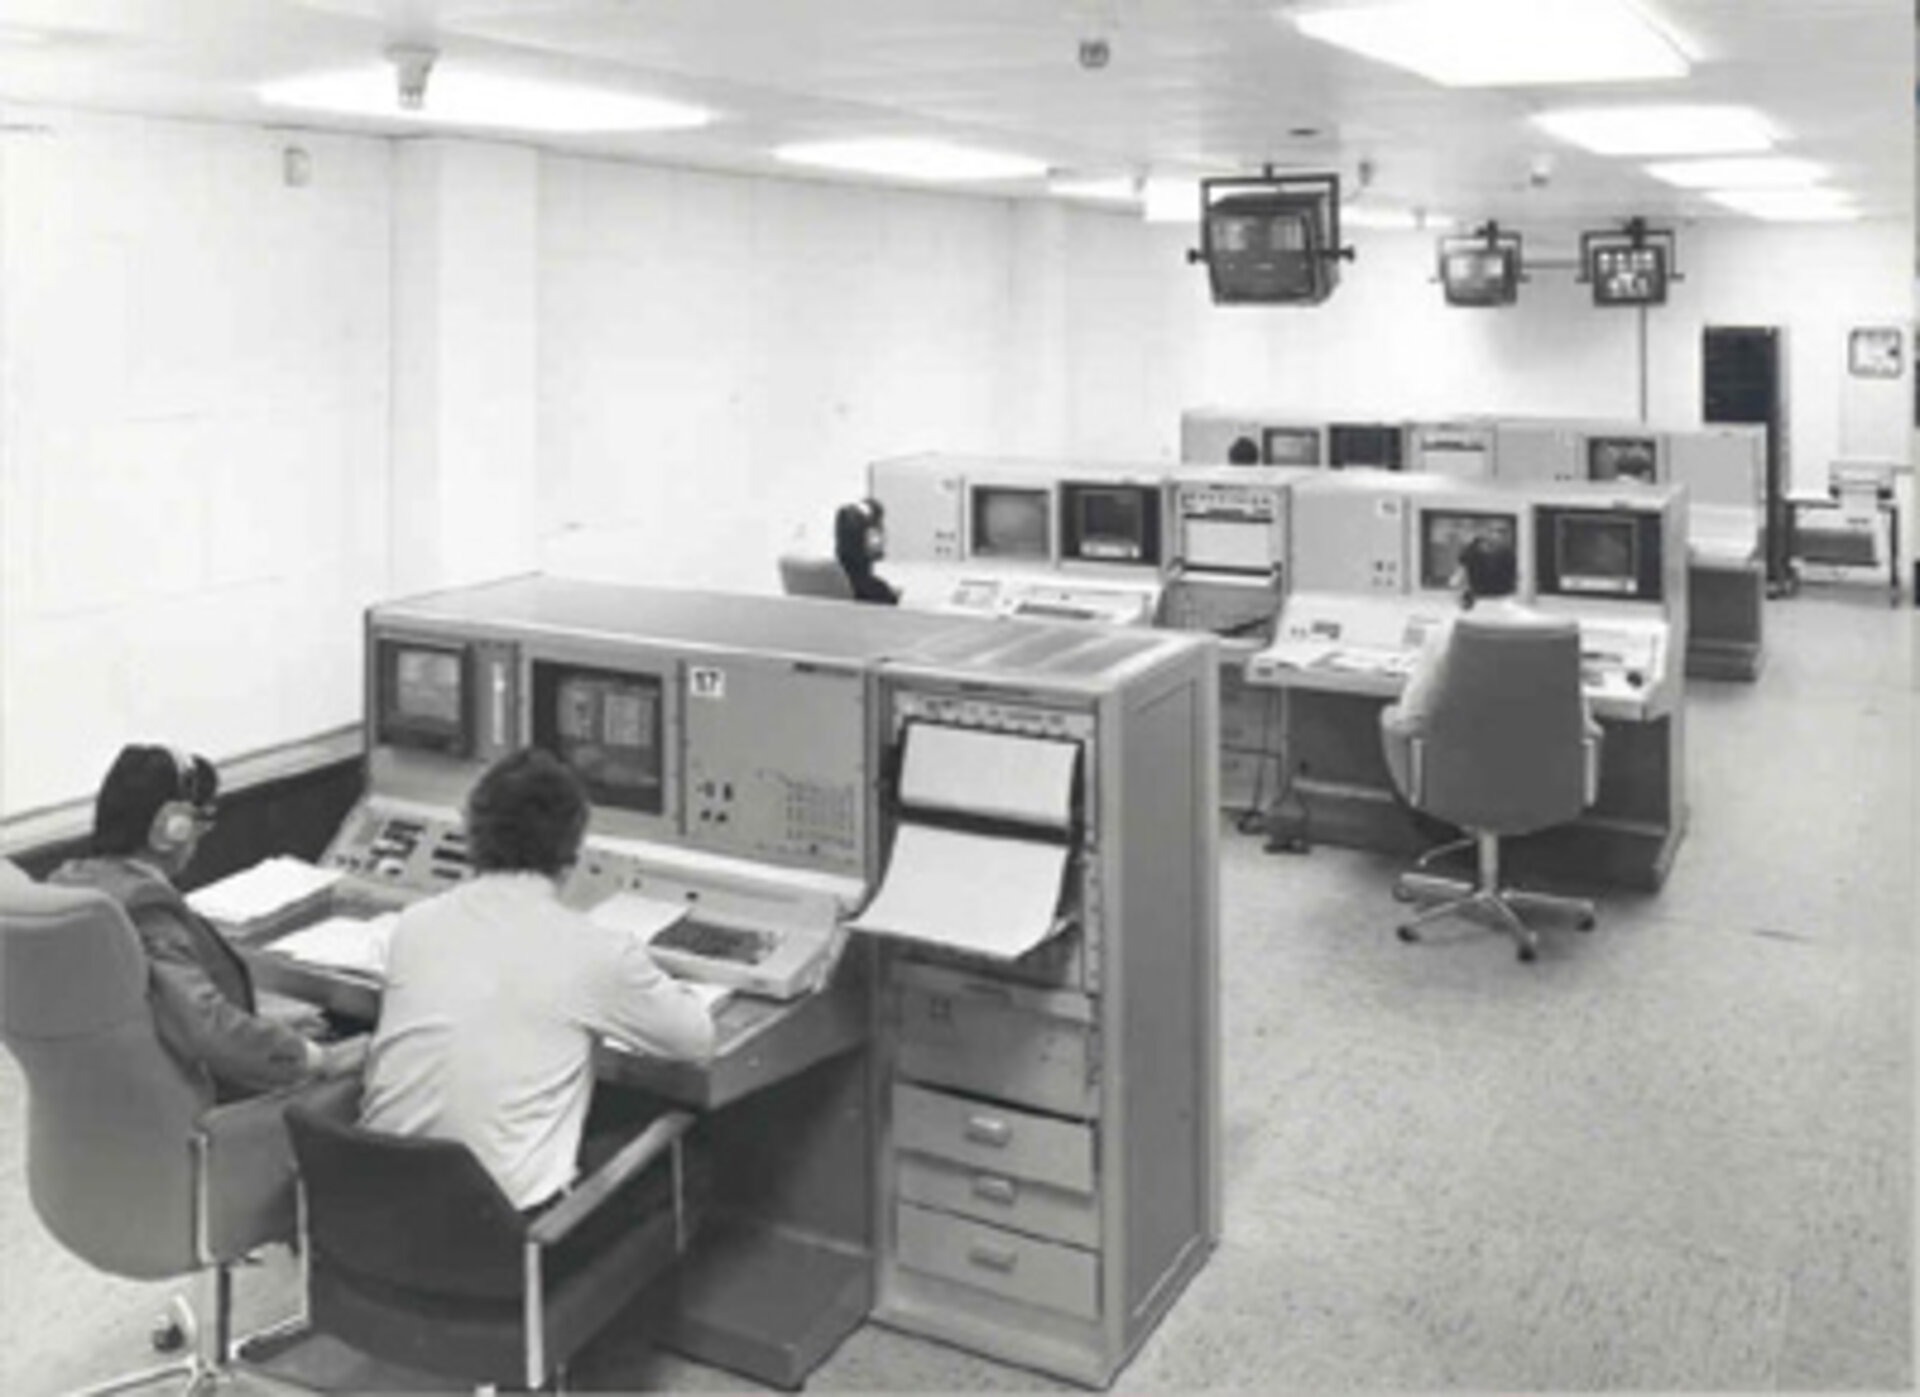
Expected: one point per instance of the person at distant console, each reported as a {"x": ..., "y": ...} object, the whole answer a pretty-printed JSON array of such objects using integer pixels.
[
  {"x": 151, "y": 812},
  {"x": 1487, "y": 577},
  {"x": 496, "y": 993},
  {"x": 1245, "y": 451},
  {"x": 859, "y": 541}
]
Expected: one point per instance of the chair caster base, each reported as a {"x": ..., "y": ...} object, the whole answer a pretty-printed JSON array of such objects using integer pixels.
[
  {"x": 1584, "y": 924},
  {"x": 1406, "y": 933},
  {"x": 1527, "y": 953},
  {"x": 167, "y": 1337}
]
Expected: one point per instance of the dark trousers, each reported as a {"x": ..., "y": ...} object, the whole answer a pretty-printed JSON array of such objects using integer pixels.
[{"x": 615, "y": 1117}]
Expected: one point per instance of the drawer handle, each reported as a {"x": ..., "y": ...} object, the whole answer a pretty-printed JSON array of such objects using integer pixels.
[
  {"x": 988, "y": 1130},
  {"x": 992, "y": 1258},
  {"x": 995, "y": 1188}
]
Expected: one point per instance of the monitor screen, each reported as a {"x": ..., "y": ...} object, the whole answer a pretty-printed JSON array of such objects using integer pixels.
[
  {"x": 1110, "y": 523},
  {"x": 1622, "y": 458},
  {"x": 1598, "y": 553},
  {"x": 1444, "y": 532},
  {"x": 1480, "y": 276},
  {"x": 1011, "y": 522},
  {"x": 422, "y": 696},
  {"x": 607, "y": 725},
  {"x": 1266, "y": 250},
  {"x": 1363, "y": 444},
  {"x": 1291, "y": 446},
  {"x": 1623, "y": 275}
]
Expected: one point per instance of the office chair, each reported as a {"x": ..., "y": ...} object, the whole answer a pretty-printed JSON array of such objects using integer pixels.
[
  {"x": 130, "y": 1165},
  {"x": 810, "y": 575},
  {"x": 1504, "y": 752},
  {"x": 416, "y": 1257}
]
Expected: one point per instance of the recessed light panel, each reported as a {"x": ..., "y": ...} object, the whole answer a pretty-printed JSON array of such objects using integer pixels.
[
  {"x": 1503, "y": 43},
  {"x": 461, "y": 97},
  {"x": 1119, "y": 189},
  {"x": 937, "y": 162},
  {"x": 1660, "y": 130},
  {"x": 1752, "y": 172}
]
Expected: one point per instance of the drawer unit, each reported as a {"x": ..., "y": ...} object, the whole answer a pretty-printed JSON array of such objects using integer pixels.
[
  {"x": 1004, "y": 1263},
  {"x": 994, "y": 1039},
  {"x": 988, "y": 1196},
  {"x": 1000, "y": 1139}
]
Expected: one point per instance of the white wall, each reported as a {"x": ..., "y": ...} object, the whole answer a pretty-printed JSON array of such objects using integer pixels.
[
  {"x": 721, "y": 357},
  {"x": 193, "y": 414}
]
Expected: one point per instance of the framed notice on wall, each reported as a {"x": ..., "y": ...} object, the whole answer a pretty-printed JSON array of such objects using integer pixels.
[{"x": 1876, "y": 352}]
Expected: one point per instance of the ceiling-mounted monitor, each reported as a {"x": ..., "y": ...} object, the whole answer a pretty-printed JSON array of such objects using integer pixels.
[
  {"x": 1628, "y": 267},
  {"x": 1481, "y": 269},
  {"x": 1271, "y": 240}
]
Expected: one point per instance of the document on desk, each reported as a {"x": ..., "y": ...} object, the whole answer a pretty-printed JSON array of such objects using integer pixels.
[
  {"x": 354, "y": 944},
  {"x": 988, "y": 894},
  {"x": 1001, "y": 776},
  {"x": 270, "y": 886}
]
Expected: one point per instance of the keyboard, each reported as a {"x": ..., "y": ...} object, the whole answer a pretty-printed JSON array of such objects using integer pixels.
[{"x": 724, "y": 943}]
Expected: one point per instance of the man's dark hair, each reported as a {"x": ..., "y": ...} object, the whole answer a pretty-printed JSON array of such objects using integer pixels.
[
  {"x": 527, "y": 813},
  {"x": 1490, "y": 568},
  {"x": 143, "y": 778},
  {"x": 1245, "y": 451}
]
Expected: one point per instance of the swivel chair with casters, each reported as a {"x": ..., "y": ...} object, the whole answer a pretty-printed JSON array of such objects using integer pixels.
[
  {"x": 810, "y": 575},
  {"x": 1504, "y": 751},
  {"x": 130, "y": 1164},
  {"x": 416, "y": 1257}
]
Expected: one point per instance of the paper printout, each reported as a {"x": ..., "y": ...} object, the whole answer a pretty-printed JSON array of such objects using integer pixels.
[
  {"x": 1028, "y": 779},
  {"x": 972, "y": 892},
  {"x": 262, "y": 890},
  {"x": 343, "y": 943},
  {"x": 638, "y": 915}
]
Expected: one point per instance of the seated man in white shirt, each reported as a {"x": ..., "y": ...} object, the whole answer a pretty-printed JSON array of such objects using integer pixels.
[
  {"x": 496, "y": 994},
  {"x": 1487, "y": 577}
]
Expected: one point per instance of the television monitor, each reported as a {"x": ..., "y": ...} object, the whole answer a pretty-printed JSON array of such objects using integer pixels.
[
  {"x": 1598, "y": 553},
  {"x": 1473, "y": 274},
  {"x": 1290, "y": 446},
  {"x": 1627, "y": 275},
  {"x": 1110, "y": 523},
  {"x": 423, "y": 696},
  {"x": 609, "y": 726},
  {"x": 1375, "y": 444},
  {"x": 1011, "y": 521},
  {"x": 1623, "y": 458},
  {"x": 1445, "y": 532},
  {"x": 1267, "y": 248}
]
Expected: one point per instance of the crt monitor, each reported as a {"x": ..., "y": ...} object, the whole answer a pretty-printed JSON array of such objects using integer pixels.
[
  {"x": 1622, "y": 458},
  {"x": 1478, "y": 275},
  {"x": 609, "y": 726},
  {"x": 1598, "y": 553},
  {"x": 1267, "y": 249},
  {"x": 1110, "y": 523},
  {"x": 1290, "y": 446},
  {"x": 1011, "y": 521},
  {"x": 1625, "y": 275},
  {"x": 1374, "y": 444},
  {"x": 1445, "y": 532},
  {"x": 423, "y": 696}
]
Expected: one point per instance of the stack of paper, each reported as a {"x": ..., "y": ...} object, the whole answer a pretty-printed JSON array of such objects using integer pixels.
[
  {"x": 270, "y": 886},
  {"x": 343, "y": 943}
]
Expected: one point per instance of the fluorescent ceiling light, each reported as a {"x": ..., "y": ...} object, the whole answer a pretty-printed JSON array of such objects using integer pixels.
[
  {"x": 1120, "y": 189},
  {"x": 1172, "y": 200},
  {"x": 1503, "y": 43},
  {"x": 1752, "y": 172},
  {"x": 1789, "y": 205},
  {"x": 458, "y": 96},
  {"x": 936, "y": 161},
  {"x": 1665, "y": 130}
]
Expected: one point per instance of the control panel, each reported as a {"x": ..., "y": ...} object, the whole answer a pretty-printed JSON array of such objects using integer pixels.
[
  {"x": 1112, "y": 604},
  {"x": 1233, "y": 527},
  {"x": 1349, "y": 538},
  {"x": 411, "y": 851}
]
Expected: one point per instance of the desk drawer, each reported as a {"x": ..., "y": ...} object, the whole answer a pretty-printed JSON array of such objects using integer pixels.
[
  {"x": 988, "y": 1196},
  {"x": 969, "y": 1037},
  {"x": 999, "y": 1139},
  {"x": 1003, "y": 1263}
]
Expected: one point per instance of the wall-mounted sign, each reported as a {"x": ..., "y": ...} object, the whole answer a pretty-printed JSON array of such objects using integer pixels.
[{"x": 1876, "y": 352}]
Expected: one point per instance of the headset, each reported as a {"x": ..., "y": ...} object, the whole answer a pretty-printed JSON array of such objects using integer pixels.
[{"x": 177, "y": 821}]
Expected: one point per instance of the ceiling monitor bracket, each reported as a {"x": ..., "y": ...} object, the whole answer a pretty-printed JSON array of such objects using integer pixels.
[{"x": 1271, "y": 239}]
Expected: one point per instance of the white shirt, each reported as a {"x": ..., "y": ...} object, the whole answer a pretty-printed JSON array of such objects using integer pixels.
[
  {"x": 495, "y": 994},
  {"x": 1410, "y": 710}
]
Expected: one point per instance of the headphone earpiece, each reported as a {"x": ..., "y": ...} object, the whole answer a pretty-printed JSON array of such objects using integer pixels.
[{"x": 175, "y": 822}]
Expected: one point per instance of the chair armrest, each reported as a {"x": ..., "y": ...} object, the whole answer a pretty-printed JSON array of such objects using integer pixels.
[
  {"x": 245, "y": 1174},
  {"x": 662, "y": 1135},
  {"x": 1590, "y": 749}
]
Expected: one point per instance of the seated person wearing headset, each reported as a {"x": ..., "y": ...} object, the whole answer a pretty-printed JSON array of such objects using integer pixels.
[
  {"x": 1487, "y": 577},
  {"x": 859, "y": 541},
  {"x": 496, "y": 993},
  {"x": 148, "y": 819}
]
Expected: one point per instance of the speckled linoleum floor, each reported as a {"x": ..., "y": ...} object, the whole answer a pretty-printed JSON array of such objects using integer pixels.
[{"x": 1676, "y": 1154}]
